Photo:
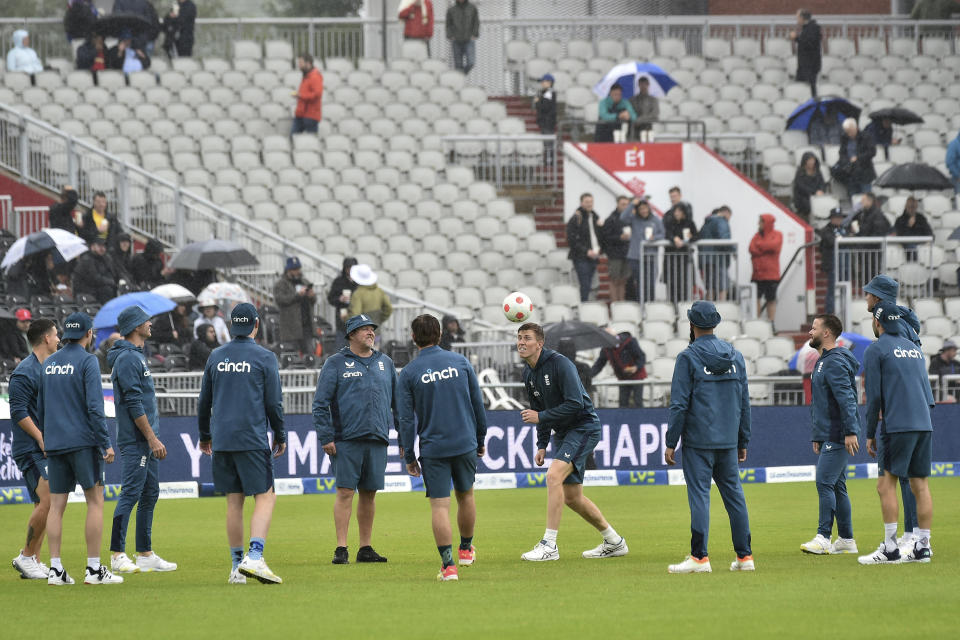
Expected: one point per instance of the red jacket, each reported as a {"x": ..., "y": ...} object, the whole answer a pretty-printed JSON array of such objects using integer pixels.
[
  {"x": 765, "y": 251},
  {"x": 310, "y": 95},
  {"x": 414, "y": 26}
]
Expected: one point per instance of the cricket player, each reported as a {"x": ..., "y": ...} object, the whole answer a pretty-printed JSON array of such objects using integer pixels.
[
  {"x": 898, "y": 387},
  {"x": 835, "y": 427},
  {"x": 710, "y": 411},
  {"x": 27, "y": 449},
  {"x": 353, "y": 410},
  {"x": 439, "y": 399},
  {"x": 70, "y": 409},
  {"x": 559, "y": 403},
  {"x": 886, "y": 289},
  {"x": 141, "y": 450},
  {"x": 241, "y": 391}
]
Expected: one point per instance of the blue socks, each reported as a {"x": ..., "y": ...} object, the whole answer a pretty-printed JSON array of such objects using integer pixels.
[
  {"x": 256, "y": 548},
  {"x": 466, "y": 543},
  {"x": 446, "y": 554},
  {"x": 236, "y": 556}
]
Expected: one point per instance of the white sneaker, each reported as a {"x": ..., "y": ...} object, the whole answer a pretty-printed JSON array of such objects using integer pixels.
[
  {"x": 743, "y": 564},
  {"x": 691, "y": 565},
  {"x": 123, "y": 564},
  {"x": 881, "y": 556},
  {"x": 844, "y": 545},
  {"x": 542, "y": 552},
  {"x": 101, "y": 576},
  {"x": 906, "y": 540},
  {"x": 153, "y": 562},
  {"x": 58, "y": 578},
  {"x": 818, "y": 546},
  {"x": 258, "y": 569},
  {"x": 918, "y": 554},
  {"x": 607, "y": 550},
  {"x": 29, "y": 568},
  {"x": 46, "y": 569},
  {"x": 236, "y": 577}
]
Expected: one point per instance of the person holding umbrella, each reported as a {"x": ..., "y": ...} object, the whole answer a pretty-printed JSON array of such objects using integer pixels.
[
  {"x": 127, "y": 57},
  {"x": 613, "y": 113},
  {"x": 882, "y": 131}
]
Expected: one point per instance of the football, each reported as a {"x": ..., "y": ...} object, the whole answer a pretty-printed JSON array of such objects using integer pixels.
[{"x": 517, "y": 307}]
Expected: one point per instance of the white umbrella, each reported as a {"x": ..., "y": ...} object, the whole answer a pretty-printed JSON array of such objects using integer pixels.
[
  {"x": 64, "y": 244},
  {"x": 175, "y": 292},
  {"x": 628, "y": 75},
  {"x": 224, "y": 291}
]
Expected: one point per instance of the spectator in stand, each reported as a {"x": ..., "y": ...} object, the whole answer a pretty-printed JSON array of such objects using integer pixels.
[
  {"x": 15, "y": 346},
  {"x": 121, "y": 259},
  {"x": 463, "y": 29},
  {"x": 98, "y": 222},
  {"x": 953, "y": 162},
  {"x": 417, "y": 17},
  {"x": 806, "y": 183},
  {"x": 60, "y": 280},
  {"x": 178, "y": 26},
  {"x": 200, "y": 348},
  {"x": 809, "y": 59},
  {"x": 451, "y": 333},
  {"x": 882, "y": 131},
  {"x": 629, "y": 363},
  {"x": 21, "y": 58},
  {"x": 105, "y": 367},
  {"x": 29, "y": 277},
  {"x": 145, "y": 10},
  {"x": 613, "y": 114},
  {"x": 62, "y": 213},
  {"x": 296, "y": 299},
  {"x": 680, "y": 231},
  {"x": 644, "y": 228},
  {"x": 715, "y": 260},
  {"x": 676, "y": 200},
  {"x": 583, "y": 233},
  {"x": 567, "y": 347},
  {"x": 645, "y": 106},
  {"x": 368, "y": 299},
  {"x": 765, "y": 253},
  {"x": 911, "y": 223},
  {"x": 92, "y": 54},
  {"x": 945, "y": 363},
  {"x": 856, "y": 159},
  {"x": 546, "y": 105},
  {"x": 869, "y": 222},
  {"x": 126, "y": 56},
  {"x": 93, "y": 274},
  {"x": 306, "y": 117},
  {"x": 828, "y": 239},
  {"x": 615, "y": 243},
  {"x": 175, "y": 327},
  {"x": 210, "y": 314},
  {"x": 148, "y": 269},
  {"x": 79, "y": 19},
  {"x": 339, "y": 298}
]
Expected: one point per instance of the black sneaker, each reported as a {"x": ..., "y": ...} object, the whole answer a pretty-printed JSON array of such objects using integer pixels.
[
  {"x": 340, "y": 556},
  {"x": 367, "y": 554}
]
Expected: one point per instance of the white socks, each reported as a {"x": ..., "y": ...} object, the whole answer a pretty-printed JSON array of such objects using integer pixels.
[
  {"x": 550, "y": 535},
  {"x": 93, "y": 563},
  {"x": 923, "y": 538},
  {"x": 56, "y": 564},
  {"x": 889, "y": 536},
  {"x": 610, "y": 536}
]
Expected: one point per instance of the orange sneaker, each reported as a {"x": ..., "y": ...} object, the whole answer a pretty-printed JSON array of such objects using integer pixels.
[
  {"x": 448, "y": 573},
  {"x": 467, "y": 556}
]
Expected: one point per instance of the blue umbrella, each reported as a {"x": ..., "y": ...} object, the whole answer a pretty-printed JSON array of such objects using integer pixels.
[
  {"x": 825, "y": 109},
  {"x": 854, "y": 341},
  {"x": 149, "y": 302},
  {"x": 628, "y": 75}
]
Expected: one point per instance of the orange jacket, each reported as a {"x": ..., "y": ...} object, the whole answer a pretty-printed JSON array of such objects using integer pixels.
[
  {"x": 765, "y": 251},
  {"x": 310, "y": 95}
]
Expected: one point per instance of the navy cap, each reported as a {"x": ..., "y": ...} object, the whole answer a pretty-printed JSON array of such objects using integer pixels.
[
  {"x": 837, "y": 212},
  {"x": 547, "y": 76},
  {"x": 884, "y": 287},
  {"x": 888, "y": 315},
  {"x": 131, "y": 318},
  {"x": 76, "y": 325},
  {"x": 242, "y": 319},
  {"x": 703, "y": 314},
  {"x": 356, "y": 322},
  {"x": 293, "y": 262}
]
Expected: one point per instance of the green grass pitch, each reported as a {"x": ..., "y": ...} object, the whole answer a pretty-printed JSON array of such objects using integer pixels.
[{"x": 791, "y": 595}]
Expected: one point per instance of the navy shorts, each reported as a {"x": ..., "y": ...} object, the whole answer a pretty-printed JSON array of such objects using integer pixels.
[
  {"x": 574, "y": 446},
  {"x": 246, "y": 472},
  {"x": 906, "y": 454},
  {"x": 360, "y": 464},
  {"x": 33, "y": 467},
  {"x": 82, "y": 466},
  {"x": 440, "y": 473},
  {"x": 767, "y": 289}
]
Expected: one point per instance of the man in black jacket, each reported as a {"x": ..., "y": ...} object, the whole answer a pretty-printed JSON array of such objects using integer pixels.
[
  {"x": 583, "y": 231},
  {"x": 179, "y": 25},
  {"x": 615, "y": 243},
  {"x": 93, "y": 274},
  {"x": 808, "y": 49},
  {"x": 629, "y": 363},
  {"x": 856, "y": 158},
  {"x": 98, "y": 222},
  {"x": 546, "y": 105},
  {"x": 828, "y": 239},
  {"x": 61, "y": 213},
  {"x": 463, "y": 29}
]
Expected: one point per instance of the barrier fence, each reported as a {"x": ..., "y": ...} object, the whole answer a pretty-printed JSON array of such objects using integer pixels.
[
  {"x": 702, "y": 269},
  {"x": 506, "y": 160}
]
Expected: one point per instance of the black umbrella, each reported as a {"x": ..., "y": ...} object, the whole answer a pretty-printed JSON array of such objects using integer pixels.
[
  {"x": 585, "y": 335},
  {"x": 119, "y": 24},
  {"x": 896, "y": 115},
  {"x": 212, "y": 254},
  {"x": 914, "y": 176},
  {"x": 955, "y": 235}
]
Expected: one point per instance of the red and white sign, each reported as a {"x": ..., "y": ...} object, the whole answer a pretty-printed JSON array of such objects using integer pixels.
[{"x": 618, "y": 158}]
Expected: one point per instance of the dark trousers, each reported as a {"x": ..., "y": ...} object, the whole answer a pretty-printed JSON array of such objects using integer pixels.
[
  {"x": 304, "y": 125},
  {"x": 141, "y": 487},
  {"x": 585, "y": 268},
  {"x": 699, "y": 466},
  {"x": 631, "y": 396},
  {"x": 648, "y": 286},
  {"x": 832, "y": 489},
  {"x": 464, "y": 55}
]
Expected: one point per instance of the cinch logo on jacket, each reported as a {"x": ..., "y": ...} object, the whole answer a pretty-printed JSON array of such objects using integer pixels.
[
  {"x": 443, "y": 374},
  {"x": 353, "y": 374},
  {"x": 233, "y": 367},
  {"x": 907, "y": 353},
  {"x": 59, "y": 369}
]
